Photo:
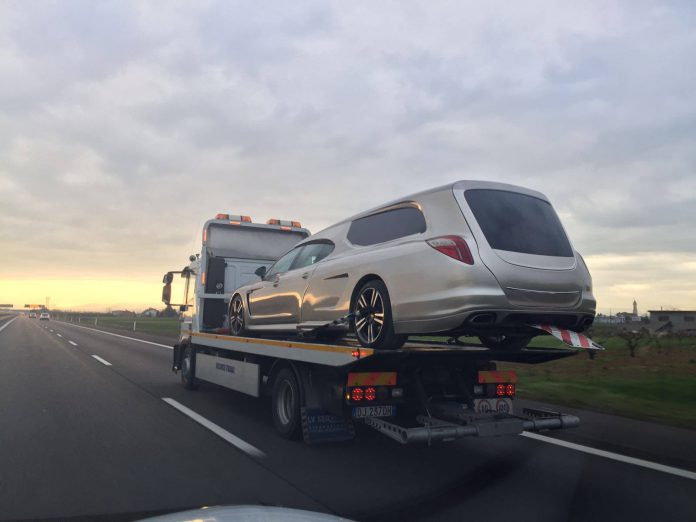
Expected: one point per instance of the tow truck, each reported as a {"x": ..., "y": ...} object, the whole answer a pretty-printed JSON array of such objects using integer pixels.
[{"x": 423, "y": 392}]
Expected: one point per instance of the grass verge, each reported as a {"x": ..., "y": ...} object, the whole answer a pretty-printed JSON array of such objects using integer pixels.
[{"x": 164, "y": 326}]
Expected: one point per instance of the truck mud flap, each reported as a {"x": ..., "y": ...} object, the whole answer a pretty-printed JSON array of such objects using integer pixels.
[
  {"x": 178, "y": 354},
  {"x": 320, "y": 426}
]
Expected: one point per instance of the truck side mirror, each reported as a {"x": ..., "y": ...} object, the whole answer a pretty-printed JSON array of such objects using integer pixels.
[
  {"x": 168, "y": 278},
  {"x": 166, "y": 293},
  {"x": 261, "y": 271}
]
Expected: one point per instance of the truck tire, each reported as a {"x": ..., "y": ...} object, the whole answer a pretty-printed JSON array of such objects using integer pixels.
[
  {"x": 236, "y": 316},
  {"x": 373, "y": 323},
  {"x": 188, "y": 368},
  {"x": 505, "y": 343},
  {"x": 285, "y": 403}
]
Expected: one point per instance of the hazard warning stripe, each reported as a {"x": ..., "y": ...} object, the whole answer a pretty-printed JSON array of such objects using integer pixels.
[
  {"x": 565, "y": 335},
  {"x": 488, "y": 377},
  {"x": 569, "y": 337},
  {"x": 372, "y": 379}
]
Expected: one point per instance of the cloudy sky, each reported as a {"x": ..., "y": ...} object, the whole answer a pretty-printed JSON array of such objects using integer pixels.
[{"x": 124, "y": 125}]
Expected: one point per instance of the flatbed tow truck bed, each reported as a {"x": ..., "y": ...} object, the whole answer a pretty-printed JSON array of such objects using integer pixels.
[
  {"x": 423, "y": 392},
  {"x": 348, "y": 351}
]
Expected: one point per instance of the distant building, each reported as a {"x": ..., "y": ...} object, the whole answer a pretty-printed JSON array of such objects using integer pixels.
[
  {"x": 149, "y": 312},
  {"x": 673, "y": 320},
  {"x": 635, "y": 308},
  {"x": 169, "y": 312},
  {"x": 123, "y": 313},
  {"x": 619, "y": 318},
  {"x": 627, "y": 317}
]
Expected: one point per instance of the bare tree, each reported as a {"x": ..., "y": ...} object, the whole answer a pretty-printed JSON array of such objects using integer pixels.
[
  {"x": 632, "y": 339},
  {"x": 591, "y": 334}
]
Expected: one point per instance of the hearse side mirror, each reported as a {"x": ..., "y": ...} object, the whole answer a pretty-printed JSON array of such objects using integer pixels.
[{"x": 261, "y": 271}]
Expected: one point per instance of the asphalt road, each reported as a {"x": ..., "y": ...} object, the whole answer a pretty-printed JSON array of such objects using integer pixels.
[{"x": 87, "y": 438}]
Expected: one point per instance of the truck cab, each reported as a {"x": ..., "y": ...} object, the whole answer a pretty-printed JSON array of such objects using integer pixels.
[{"x": 233, "y": 249}]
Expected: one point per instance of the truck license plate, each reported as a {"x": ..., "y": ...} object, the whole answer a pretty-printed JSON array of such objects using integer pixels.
[{"x": 373, "y": 411}]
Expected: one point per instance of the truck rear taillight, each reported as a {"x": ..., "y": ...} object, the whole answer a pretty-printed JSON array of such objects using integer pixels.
[
  {"x": 370, "y": 394},
  {"x": 378, "y": 394},
  {"x": 356, "y": 394},
  {"x": 454, "y": 247},
  {"x": 504, "y": 390}
]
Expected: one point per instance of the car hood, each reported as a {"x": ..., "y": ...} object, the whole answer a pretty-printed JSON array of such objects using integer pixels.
[{"x": 246, "y": 514}]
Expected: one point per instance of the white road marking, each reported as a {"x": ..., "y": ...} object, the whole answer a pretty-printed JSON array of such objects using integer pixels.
[
  {"x": 217, "y": 430},
  {"x": 103, "y": 361},
  {"x": 613, "y": 456},
  {"x": 59, "y": 335},
  {"x": 50, "y": 330},
  {"x": 73, "y": 343},
  {"x": 124, "y": 336},
  {"x": 7, "y": 324}
]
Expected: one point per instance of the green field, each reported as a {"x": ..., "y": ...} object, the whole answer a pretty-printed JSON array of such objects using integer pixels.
[
  {"x": 659, "y": 384},
  {"x": 164, "y": 326}
]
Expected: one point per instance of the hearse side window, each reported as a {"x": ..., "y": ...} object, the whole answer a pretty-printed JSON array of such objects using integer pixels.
[
  {"x": 283, "y": 264},
  {"x": 312, "y": 253},
  {"x": 385, "y": 226}
]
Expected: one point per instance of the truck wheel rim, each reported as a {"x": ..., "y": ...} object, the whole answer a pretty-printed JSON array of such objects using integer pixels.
[
  {"x": 286, "y": 403},
  {"x": 236, "y": 316},
  {"x": 369, "y": 321}
]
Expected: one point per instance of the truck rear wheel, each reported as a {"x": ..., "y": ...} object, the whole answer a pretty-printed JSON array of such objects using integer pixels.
[
  {"x": 286, "y": 404},
  {"x": 188, "y": 369}
]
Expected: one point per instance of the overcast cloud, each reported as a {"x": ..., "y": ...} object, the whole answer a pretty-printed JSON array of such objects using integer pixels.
[{"x": 123, "y": 126}]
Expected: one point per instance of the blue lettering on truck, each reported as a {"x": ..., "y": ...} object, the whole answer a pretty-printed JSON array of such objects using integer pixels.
[{"x": 225, "y": 367}]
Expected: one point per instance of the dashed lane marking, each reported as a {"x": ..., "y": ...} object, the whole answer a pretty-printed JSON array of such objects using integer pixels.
[{"x": 103, "y": 361}]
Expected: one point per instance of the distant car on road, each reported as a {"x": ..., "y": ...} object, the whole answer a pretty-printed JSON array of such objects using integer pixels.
[
  {"x": 470, "y": 258},
  {"x": 32, "y": 315},
  {"x": 44, "y": 316}
]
